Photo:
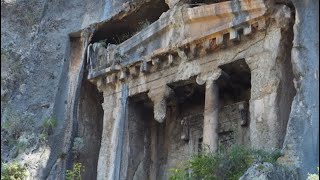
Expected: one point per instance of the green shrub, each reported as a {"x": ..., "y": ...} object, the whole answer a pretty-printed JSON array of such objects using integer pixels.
[
  {"x": 48, "y": 125},
  {"x": 13, "y": 171},
  {"x": 179, "y": 174},
  {"x": 229, "y": 165},
  {"x": 313, "y": 176},
  {"x": 75, "y": 173}
]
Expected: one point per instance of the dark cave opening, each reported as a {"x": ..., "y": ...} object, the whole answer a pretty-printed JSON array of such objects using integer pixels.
[
  {"x": 116, "y": 31},
  {"x": 234, "y": 95},
  {"x": 235, "y": 84}
]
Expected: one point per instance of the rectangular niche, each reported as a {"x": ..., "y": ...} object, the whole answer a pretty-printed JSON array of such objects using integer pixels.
[
  {"x": 145, "y": 140},
  {"x": 234, "y": 96}
]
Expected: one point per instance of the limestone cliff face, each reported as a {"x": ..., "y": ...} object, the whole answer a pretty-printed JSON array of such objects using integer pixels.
[
  {"x": 43, "y": 76},
  {"x": 301, "y": 145},
  {"x": 37, "y": 38}
]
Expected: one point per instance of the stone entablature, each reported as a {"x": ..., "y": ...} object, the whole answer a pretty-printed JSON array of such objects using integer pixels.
[
  {"x": 182, "y": 33},
  {"x": 184, "y": 44}
]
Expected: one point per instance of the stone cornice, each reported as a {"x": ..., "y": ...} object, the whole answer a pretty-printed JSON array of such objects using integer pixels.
[{"x": 181, "y": 33}]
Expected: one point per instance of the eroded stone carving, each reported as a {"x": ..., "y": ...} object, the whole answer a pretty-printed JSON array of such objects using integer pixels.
[
  {"x": 159, "y": 98},
  {"x": 189, "y": 45}
]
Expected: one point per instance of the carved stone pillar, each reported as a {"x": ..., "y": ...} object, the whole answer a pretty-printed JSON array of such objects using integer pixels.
[
  {"x": 211, "y": 111},
  {"x": 112, "y": 143}
]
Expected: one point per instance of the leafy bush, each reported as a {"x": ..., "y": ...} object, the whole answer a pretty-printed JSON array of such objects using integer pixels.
[
  {"x": 75, "y": 173},
  {"x": 13, "y": 171},
  {"x": 225, "y": 165},
  {"x": 48, "y": 125},
  {"x": 313, "y": 176}
]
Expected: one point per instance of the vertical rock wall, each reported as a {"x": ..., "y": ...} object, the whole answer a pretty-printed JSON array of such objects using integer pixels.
[
  {"x": 301, "y": 146},
  {"x": 35, "y": 57}
]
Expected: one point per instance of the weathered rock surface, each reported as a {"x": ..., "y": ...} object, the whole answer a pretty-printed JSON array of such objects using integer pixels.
[
  {"x": 42, "y": 70},
  {"x": 301, "y": 146},
  {"x": 267, "y": 171},
  {"x": 35, "y": 64}
]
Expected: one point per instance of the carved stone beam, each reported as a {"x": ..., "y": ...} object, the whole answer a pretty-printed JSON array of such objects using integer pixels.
[
  {"x": 192, "y": 52},
  {"x": 234, "y": 35},
  {"x": 219, "y": 39},
  {"x": 100, "y": 84},
  {"x": 247, "y": 30},
  {"x": 182, "y": 54},
  {"x": 155, "y": 61},
  {"x": 159, "y": 98},
  {"x": 111, "y": 78},
  {"x": 144, "y": 67},
  {"x": 134, "y": 71},
  {"x": 123, "y": 74}
]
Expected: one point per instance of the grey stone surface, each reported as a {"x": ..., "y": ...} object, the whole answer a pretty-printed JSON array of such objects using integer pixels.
[
  {"x": 267, "y": 171},
  {"x": 35, "y": 68},
  {"x": 301, "y": 146},
  {"x": 42, "y": 56}
]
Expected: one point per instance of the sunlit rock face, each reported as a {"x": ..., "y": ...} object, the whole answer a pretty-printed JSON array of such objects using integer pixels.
[{"x": 137, "y": 87}]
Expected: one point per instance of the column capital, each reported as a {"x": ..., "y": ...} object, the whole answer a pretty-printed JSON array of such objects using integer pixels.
[
  {"x": 159, "y": 98},
  {"x": 208, "y": 77}
]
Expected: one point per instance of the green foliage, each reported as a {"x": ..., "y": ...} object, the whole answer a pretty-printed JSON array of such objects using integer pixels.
[
  {"x": 179, "y": 174},
  {"x": 229, "y": 165},
  {"x": 48, "y": 125},
  {"x": 13, "y": 171},
  {"x": 75, "y": 173},
  {"x": 313, "y": 176}
]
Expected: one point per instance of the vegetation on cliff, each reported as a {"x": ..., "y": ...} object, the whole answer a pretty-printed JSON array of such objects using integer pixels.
[{"x": 229, "y": 164}]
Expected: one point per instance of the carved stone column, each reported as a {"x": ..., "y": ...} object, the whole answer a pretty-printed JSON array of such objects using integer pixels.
[
  {"x": 211, "y": 111},
  {"x": 112, "y": 143}
]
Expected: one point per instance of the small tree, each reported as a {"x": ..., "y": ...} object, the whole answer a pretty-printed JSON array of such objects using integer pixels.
[
  {"x": 13, "y": 171},
  {"x": 75, "y": 173}
]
